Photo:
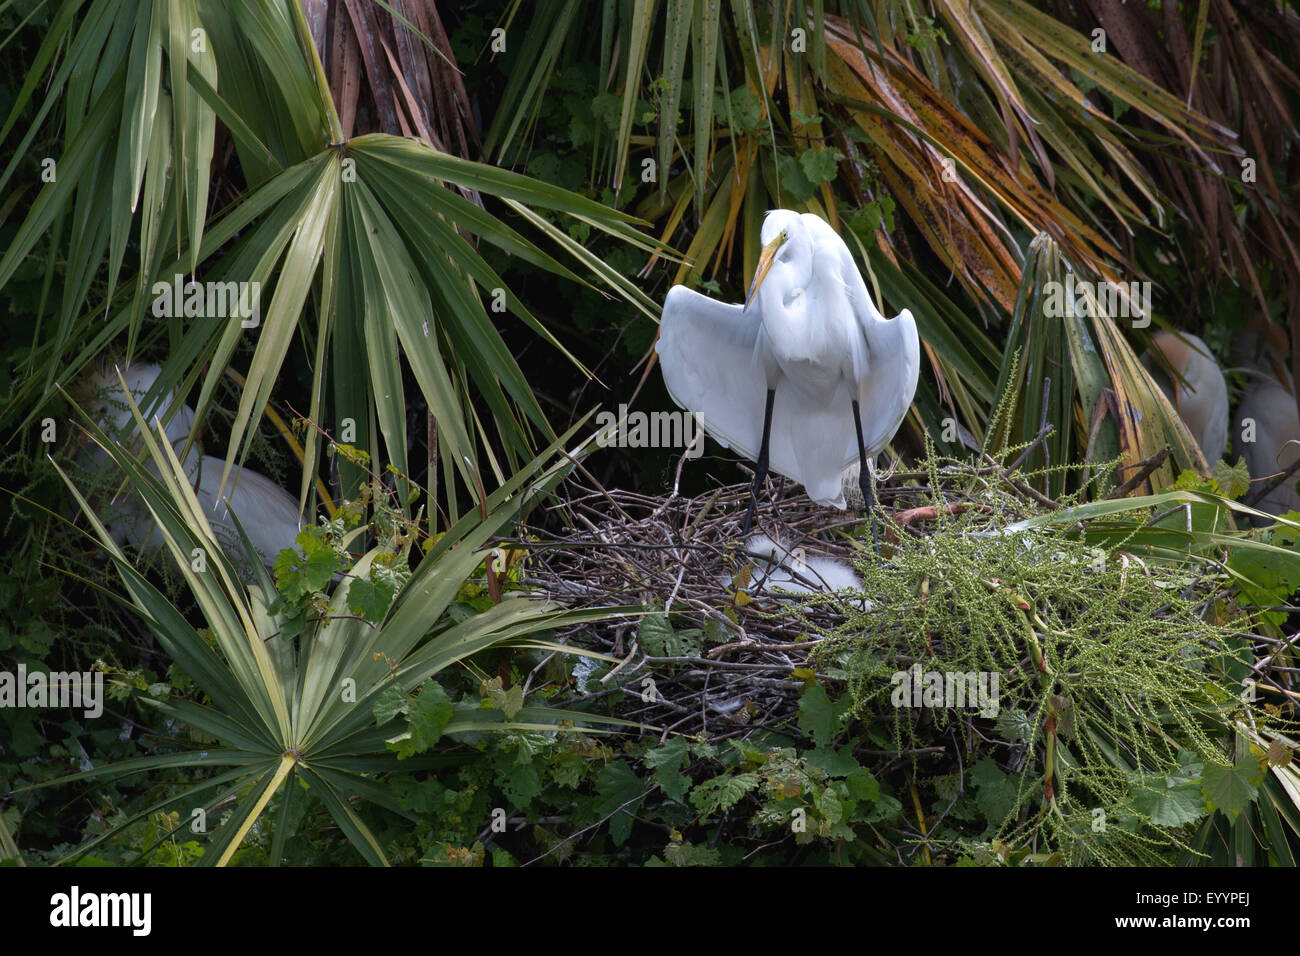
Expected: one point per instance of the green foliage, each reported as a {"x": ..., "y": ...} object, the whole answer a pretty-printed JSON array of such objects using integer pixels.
[
  {"x": 1231, "y": 789},
  {"x": 1175, "y": 799},
  {"x": 1231, "y": 481},
  {"x": 507, "y": 700},
  {"x": 1264, "y": 582},
  {"x": 291, "y": 684},
  {"x": 1107, "y": 683},
  {"x": 616, "y": 803},
  {"x": 818, "y": 717},
  {"x": 428, "y": 711},
  {"x": 661, "y": 639},
  {"x": 440, "y": 754},
  {"x": 877, "y": 214}
]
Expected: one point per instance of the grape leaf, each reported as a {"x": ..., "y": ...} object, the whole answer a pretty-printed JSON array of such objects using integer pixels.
[
  {"x": 817, "y": 716},
  {"x": 1168, "y": 801},
  {"x": 1233, "y": 480},
  {"x": 509, "y": 702},
  {"x": 371, "y": 599},
  {"x": 831, "y": 762},
  {"x": 995, "y": 791},
  {"x": 617, "y": 785},
  {"x": 818, "y": 165},
  {"x": 1230, "y": 789},
  {"x": 659, "y": 639},
  {"x": 427, "y": 713}
]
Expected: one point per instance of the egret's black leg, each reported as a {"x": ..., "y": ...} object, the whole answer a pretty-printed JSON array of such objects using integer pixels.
[
  {"x": 760, "y": 466},
  {"x": 864, "y": 476}
]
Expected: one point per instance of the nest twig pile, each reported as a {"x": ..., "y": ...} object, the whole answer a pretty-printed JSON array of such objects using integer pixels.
[{"x": 686, "y": 555}]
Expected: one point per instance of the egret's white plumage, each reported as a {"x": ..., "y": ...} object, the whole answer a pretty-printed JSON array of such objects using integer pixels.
[
  {"x": 1202, "y": 402},
  {"x": 108, "y": 406},
  {"x": 268, "y": 512},
  {"x": 812, "y": 335},
  {"x": 1267, "y": 414},
  {"x": 778, "y": 568},
  {"x": 1266, "y": 427}
]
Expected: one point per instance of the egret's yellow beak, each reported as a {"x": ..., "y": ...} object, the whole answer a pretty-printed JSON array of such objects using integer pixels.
[{"x": 764, "y": 265}]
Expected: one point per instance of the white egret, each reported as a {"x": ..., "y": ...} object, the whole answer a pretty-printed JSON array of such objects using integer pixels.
[
  {"x": 125, "y": 515},
  {"x": 268, "y": 512},
  {"x": 1266, "y": 429},
  {"x": 784, "y": 573},
  {"x": 776, "y": 378},
  {"x": 1270, "y": 429},
  {"x": 1202, "y": 402},
  {"x": 109, "y": 408}
]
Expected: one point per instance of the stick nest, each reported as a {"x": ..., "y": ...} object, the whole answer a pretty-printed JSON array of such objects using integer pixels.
[{"x": 736, "y": 656}]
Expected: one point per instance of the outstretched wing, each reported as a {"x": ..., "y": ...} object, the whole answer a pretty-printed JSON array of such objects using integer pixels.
[
  {"x": 707, "y": 351},
  {"x": 887, "y": 385},
  {"x": 888, "y": 388}
]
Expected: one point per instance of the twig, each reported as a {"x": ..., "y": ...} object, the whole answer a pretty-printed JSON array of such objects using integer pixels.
[
  {"x": 1024, "y": 489},
  {"x": 1273, "y": 482},
  {"x": 1043, "y": 432},
  {"x": 1144, "y": 468},
  {"x": 755, "y": 645}
]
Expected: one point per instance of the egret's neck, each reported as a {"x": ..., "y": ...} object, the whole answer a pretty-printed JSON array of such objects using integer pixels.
[
  {"x": 785, "y": 320},
  {"x": 798, "y": 317}
]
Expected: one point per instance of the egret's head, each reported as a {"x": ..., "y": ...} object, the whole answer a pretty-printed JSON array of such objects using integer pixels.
[
  {"x": 101, "y": 393},
  {"x": 785, "y": 249}
]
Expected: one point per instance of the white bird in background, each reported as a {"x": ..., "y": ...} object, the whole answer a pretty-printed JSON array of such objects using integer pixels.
[
  {"x": 108, "y": 406},
  {"x": 1202, "y": 402},
  {"x": 777, "y": 378},
  {"x": 1267, "y": 420},
  {"x": 268, "y": 512},
  {"x": 1271, "y": 408}
]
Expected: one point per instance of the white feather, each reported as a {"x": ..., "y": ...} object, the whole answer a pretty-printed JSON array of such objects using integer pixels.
[
  {"x": 1202, "y": 402},
  {"x": 1271, "y": 411},
  {"x": 777, "y": 568},
  {"x": 111, "y": 410},
  {"x": 812, "y": 334},
  {"x": 268, "y": 512}
]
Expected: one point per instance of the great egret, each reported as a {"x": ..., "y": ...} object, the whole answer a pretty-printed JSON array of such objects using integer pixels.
[
  {"x": 1203, "y": 402},
  {"x": 109, "y": 407},
  {"x": 268, "y": 512},
  {"x": 776, "y": 378},
  {"x": 784, "y": 573},
  {"x": 1270, "y": 432}
]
